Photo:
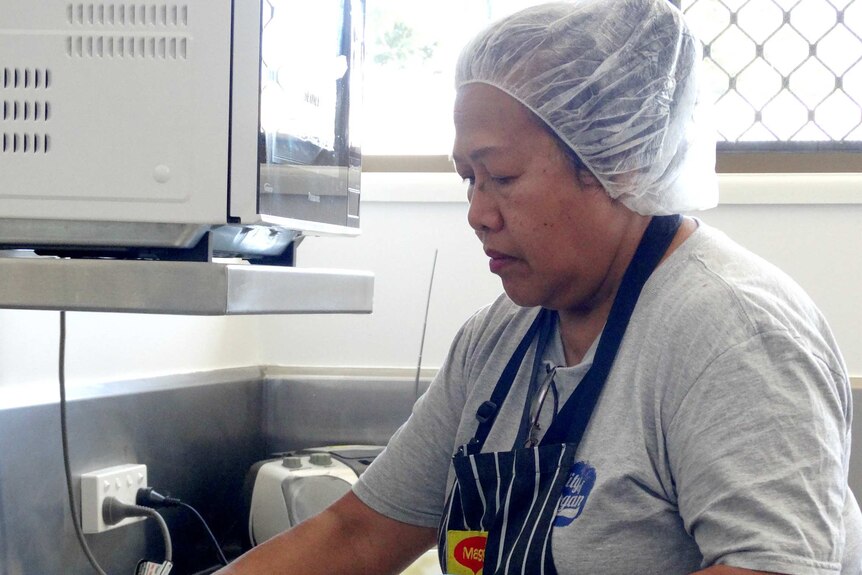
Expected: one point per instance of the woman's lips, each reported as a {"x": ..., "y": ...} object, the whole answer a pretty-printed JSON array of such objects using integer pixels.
[{"x": 498, "y": 261}]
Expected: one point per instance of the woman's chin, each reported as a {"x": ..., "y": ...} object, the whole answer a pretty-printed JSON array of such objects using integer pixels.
[{"x": 522, "y": 297}]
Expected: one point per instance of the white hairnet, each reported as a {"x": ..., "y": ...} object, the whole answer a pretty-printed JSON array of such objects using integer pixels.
[{"x": 616, "y": 80}]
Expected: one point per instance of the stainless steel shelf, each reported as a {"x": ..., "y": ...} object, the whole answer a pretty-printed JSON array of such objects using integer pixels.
[{"x": 181, "y": 288}]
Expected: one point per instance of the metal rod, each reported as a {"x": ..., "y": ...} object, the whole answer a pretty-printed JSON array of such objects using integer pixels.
[{"x": 424, "y": 326}]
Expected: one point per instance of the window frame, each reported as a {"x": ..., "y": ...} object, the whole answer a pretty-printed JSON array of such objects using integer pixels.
[{"x": 743, "y": 159}]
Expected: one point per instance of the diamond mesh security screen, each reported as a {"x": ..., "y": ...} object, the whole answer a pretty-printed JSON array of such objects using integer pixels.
[{"x": 787, "y": 72}]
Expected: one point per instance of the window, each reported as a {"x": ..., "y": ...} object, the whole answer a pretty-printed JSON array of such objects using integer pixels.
[
  {"x": 410, "y": 54},
  {"x": 782, "y": 71},
  {"x": 785, "y": 75},
  {"x": 786, "y": 78}
]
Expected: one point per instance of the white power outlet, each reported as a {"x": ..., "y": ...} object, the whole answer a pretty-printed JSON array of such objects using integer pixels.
[{"x": 121, "y": 482}]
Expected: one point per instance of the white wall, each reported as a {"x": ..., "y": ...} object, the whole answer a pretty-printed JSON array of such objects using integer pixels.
[
  {"x": 105, "y": 347},
  {"x": 397, "y": 244},
  {"x": 818, "y": 244}
]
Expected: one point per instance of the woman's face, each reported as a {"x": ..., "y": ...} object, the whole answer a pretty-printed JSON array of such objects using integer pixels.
[{"x": 552, "y": 240}]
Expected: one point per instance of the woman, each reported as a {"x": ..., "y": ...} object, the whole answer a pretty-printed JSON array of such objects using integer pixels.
[{"x": 646, "y": 396}]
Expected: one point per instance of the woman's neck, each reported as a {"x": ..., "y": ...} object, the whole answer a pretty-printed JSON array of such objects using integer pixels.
[{"x": 579, "y": 331}]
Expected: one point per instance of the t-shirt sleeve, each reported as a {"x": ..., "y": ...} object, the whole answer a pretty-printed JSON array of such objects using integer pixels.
[
  {"x": 756, "y": 449},
  {"x": 408, "y": 480}
]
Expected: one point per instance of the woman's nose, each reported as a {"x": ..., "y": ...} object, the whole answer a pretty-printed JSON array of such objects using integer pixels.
[{"x": 483, "y": 214}]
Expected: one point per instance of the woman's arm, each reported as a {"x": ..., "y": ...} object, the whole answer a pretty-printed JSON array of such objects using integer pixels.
[{"x": 349, "y": 537}]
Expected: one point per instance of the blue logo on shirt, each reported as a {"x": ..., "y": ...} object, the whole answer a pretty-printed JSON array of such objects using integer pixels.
[{"x": 582, "y": 477}]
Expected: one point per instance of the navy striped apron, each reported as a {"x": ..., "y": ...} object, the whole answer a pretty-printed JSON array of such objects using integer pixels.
[{"x": 501, "y": 509}]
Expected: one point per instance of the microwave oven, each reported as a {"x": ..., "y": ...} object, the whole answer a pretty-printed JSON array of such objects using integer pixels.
[{"x": 179, "y": 130}]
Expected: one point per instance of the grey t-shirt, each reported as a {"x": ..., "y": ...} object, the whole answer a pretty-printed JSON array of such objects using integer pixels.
[{"x": 722, "y": 434}]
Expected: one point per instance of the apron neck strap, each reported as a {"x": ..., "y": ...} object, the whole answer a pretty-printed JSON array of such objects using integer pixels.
[
  {"x": 572, "y": 420},
  {"x": 570, "y": 424},
  {"x": 487, "y": 412}
]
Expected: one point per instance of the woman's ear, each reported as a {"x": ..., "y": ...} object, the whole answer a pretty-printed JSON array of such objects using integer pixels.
[{"x": 587, "y": 180}]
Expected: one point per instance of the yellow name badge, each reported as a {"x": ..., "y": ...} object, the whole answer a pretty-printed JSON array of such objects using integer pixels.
[{"x": 465, "y": 552}]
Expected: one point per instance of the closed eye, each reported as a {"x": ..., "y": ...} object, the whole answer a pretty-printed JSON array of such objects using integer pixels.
[{"x": 495, "y": 180}]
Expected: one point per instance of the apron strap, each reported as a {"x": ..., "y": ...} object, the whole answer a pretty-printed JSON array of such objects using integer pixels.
[
  {"x": 487, "y": 412},
  {"x": 576, "y": 413},
  {"x": 571, "y": 423}
]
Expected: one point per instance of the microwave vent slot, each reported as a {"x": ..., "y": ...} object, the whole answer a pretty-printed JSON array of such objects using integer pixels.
[
  {"x": 24, "y": 143},
  {"x": 117, "y": 14},
  {"x": 26, "y": 78},
  {"x": 128, "y": 30},
  {"x": 132, "y": 47},
  {"x": 22, "y": 116},
  {"x": 26, "y": 110}
]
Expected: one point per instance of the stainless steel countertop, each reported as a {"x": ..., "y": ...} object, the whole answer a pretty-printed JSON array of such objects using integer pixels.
[{"x": 182, "y": 288}]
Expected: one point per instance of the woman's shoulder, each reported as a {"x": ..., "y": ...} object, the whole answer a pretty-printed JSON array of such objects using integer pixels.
[
  {"x": 716, "y": 292},
  {"x": 712, "y": 274},
  {"x": 496, "y": 328}
]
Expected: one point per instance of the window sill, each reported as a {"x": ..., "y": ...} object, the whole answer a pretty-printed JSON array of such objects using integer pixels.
[{"x": 735, "y": 189}]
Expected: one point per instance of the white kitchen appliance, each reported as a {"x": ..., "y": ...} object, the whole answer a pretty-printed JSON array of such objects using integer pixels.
[
  {"x": 178, "y": 129},
  {"x": 296, "y": 486}
]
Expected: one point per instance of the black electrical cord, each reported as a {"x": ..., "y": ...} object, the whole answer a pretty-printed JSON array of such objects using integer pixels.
[
  {"x": 222, "y": 559},
  {"x": 148, "y": 497},
  {"x": 64, "y": 435}
]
